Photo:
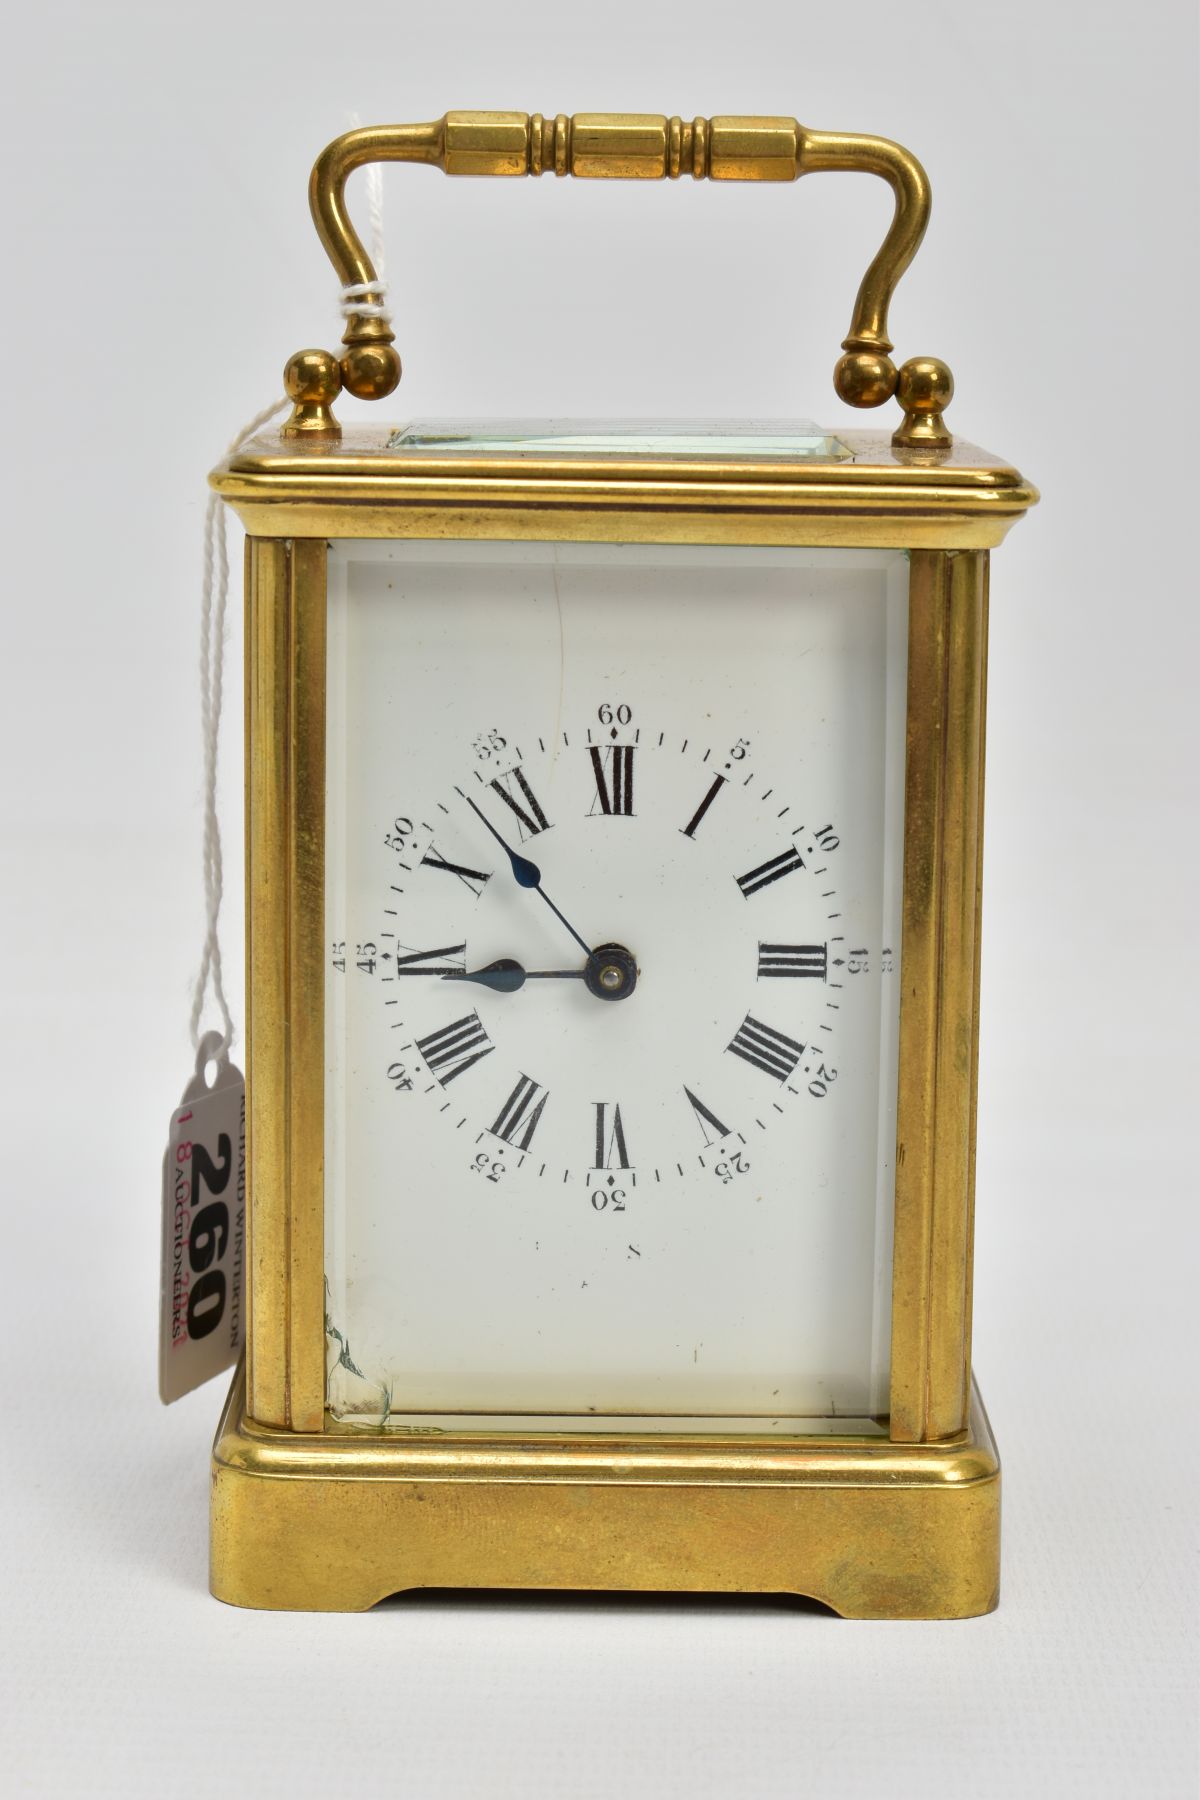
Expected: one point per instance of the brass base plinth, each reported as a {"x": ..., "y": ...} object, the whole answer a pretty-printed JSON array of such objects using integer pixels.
[{"x": 335, "y": 1522}]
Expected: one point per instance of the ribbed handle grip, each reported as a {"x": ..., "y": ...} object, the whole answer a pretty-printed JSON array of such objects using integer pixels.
[{"x": 653, "y": 147}]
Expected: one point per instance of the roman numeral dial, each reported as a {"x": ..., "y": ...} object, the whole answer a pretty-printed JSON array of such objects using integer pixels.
[{"x": 691, "y": 925}]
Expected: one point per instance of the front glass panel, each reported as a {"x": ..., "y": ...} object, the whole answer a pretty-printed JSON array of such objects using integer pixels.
[{"x": 655, "y": 1181}]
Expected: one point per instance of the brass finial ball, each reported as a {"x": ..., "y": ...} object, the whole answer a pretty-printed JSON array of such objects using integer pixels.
[
  {"x": 924, "y": 388},
  {"x": 864, "y": 378},
  {"x": 370, "y": 371},
  {"x": 312, "y": 378},
  {"x": 925, "y": 385}
]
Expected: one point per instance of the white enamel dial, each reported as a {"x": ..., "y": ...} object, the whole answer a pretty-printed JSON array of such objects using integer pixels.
[{"x": 613, "y": 883}]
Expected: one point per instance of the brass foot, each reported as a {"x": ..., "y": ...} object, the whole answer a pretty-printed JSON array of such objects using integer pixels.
[{"x": 336, "y": 1521}]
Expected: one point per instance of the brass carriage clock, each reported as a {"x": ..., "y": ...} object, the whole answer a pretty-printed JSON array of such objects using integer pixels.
[{"x": 613, "y": 824}]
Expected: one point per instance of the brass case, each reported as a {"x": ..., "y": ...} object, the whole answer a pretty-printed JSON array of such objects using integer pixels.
[{"x": 307, "y": 1515}]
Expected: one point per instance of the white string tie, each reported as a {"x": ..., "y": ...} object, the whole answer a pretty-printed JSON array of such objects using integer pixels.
[
  {"x": 355, "y": 300},
  {"x": 214, "y": 594},
  {"x": 368, "y": 299}
]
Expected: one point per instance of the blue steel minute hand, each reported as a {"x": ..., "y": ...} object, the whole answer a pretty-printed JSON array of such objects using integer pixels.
[{"x": 526, "y": 873}]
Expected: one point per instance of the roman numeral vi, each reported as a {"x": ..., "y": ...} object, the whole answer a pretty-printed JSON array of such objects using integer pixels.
[{"x": 610, "y": 1137}]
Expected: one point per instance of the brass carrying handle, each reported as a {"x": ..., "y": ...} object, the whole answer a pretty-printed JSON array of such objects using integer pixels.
[{"x": 636, "y": 146}]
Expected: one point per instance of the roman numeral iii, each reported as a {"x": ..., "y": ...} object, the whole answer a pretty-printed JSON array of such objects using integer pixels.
[
  {"x": 794, "y": 959},
  {"x": 768, "y": 1049},
  {"x": 613, "y": 770},
  {"x": 786, "y": 863},
  {"x": 520, "y": 1113},
  {"x": 454, "y": 1049},
  {"x": 529, "y": 815}
]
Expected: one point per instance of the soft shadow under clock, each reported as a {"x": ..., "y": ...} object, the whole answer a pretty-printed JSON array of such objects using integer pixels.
[{"x": 593, "y": 1600}]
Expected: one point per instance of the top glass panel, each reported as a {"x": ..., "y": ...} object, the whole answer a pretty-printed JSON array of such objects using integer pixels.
[{"x": 677, "y": 440}]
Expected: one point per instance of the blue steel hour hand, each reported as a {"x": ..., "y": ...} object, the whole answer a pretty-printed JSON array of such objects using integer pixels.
[
  {"x": 526, "y": 874},
  {"x": 610, "y": 973},
  {"x": 505, "y": 976}
]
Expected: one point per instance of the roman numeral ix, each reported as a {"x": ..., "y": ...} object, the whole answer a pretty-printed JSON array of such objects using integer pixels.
[
  {"x": 454, "y": 1049},
  {"x": 427, "y": 962},
  {"x": 613, "y": 769},
  {"x": 768, "y": 1049},
  {"x": 794, "y": 959},
  {"x": 520, "y": 1113},
  {"x": 786, "y": 863}
]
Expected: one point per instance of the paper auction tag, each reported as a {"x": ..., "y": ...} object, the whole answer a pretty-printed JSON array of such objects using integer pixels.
[{"x": 202, "y": 1312}]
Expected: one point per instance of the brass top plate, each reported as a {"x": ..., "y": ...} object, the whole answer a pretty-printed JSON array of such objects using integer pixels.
[{"x": 850, "y": 487}]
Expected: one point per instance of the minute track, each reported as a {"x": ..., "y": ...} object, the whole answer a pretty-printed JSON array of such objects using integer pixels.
[{"x": 713, "y": 825}]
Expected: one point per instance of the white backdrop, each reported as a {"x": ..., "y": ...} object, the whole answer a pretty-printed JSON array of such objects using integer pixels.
[{"x": 162, "y": 268}]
